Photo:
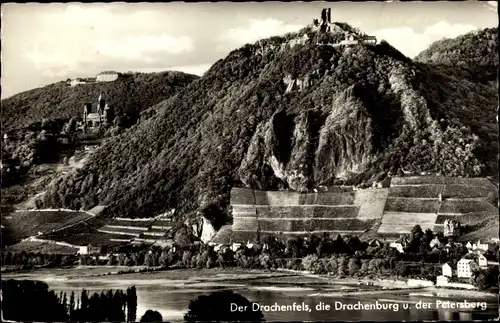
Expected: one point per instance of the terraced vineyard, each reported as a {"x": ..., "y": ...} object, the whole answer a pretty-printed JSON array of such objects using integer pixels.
[
  {"x": 23, "y": 224},
  {"x": 120, "y": 229},
  {"x": 416, "y": 200},
  {"x": 426, "y": 201},
  {"x": 96, "y": 238},
  {"x": 44, "y": 248},
  {"x": 286, "y": 213}
]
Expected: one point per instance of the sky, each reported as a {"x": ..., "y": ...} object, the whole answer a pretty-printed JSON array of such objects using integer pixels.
[{"x": 47, "y": 43}]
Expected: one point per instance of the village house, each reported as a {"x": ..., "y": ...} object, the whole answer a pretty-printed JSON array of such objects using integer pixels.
[
  {"x": 447, "y": 270},
  {"x": 482, "y": 261},
  {"x": 235, "y": 246},
  {"x": 398, "y": 246},
  {"x": 375, "y": 243},
  {"x": 480, "y": 246},
  {"x": 451, "y": 228},
  {"x": 88, "y": 250},
  {"x": 442, "y": 280},
  {"x": 435, "y": 243},
  {"x": 464, "y": 269},
  {"x": 77, "y": 81}
]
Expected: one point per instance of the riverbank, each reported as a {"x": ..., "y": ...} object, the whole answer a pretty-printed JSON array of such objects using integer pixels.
[
  {"x": 450, "y": 292},
  {"x": 322, "y": 285}
]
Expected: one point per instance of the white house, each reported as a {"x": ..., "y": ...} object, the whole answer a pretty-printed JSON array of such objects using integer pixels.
[
  {"x": 464, "y": 269},
  {"x": 217, "y": 247},
  {"x": 83, "y": 250},
  {"x": 75, "y": 82},
  {"x": 107, "y": 76},
  {"x": 447, "y": 270},
  {"x": 235, "y": 246},
  {"x": 442, "y": 280},
  {"x": 398, "y": 246},
  {"x": 469, "y": 245},
  {"x": 375, "y": 243},
  {"x": 482, "y": 261},
  {"x": 435, "y": 243},
  {"x": 480, "y": 246}
]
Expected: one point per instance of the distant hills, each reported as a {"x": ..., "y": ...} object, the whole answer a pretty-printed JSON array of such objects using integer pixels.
[
  {"x": 476, "y": 52},
  {"x": 286, "y": 113},
  {"x": 131, "y": 93}
]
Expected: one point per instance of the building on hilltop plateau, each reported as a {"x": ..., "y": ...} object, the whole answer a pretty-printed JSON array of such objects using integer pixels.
[
  {"x": 326, "y": 26},
  {"x": 94, "y": 117},
  {"x": 107, "y": 76}
]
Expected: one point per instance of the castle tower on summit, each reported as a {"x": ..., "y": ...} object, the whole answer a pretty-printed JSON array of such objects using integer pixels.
[{"x": 326, "y": 20}]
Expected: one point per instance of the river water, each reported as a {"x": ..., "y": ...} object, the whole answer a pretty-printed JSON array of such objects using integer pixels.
[{"x": 172, "y": 301}]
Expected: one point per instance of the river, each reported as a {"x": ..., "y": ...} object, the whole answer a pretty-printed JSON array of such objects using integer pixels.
[{"x": 171, "y": 297}]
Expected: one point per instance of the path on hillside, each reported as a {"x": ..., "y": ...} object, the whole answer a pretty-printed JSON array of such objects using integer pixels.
[{"x": 55, "y": 171}]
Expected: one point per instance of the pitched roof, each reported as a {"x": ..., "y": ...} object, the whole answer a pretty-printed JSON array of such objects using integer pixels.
[{"x": 452, "y": 266}]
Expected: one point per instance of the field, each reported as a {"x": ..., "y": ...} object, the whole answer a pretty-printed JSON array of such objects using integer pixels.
[
  {"x": 485, "y": 230},
  {"x": 143, "y": 224},
  {"x": 371, "y": 202},
  {"x": 276, "y": 198},
  {"x": 328, "y": 198},
  {"x": 466, "y": 206},
  {"x": 300, "y": 212},
  {"x": 241, "y": 196},
  {"x": 403, "y": 218},
  {"x": 416, "y": 191},
  {"x": 394, "y": 222},
  {"x": 42, "y": 247},
  {"x": 163, "y": 223},
  {"x": 249, "y": 224},
  {"x": 447, "y": 191},
  {"x": 419, "y": 180},
  {"x": 396, "y": 204},
  {"x": 128, "y": 229},
  {"x": 95, "y": 238},
  {"x": 252, "y": 236},
  {"x": 458, "y": 191},
  {"x": 409, "y": 201},
  {"x": 24, "y": 224},
  {"x": 467, "y": 218},
  {"x": 402, "y": 228},
  {"x": 243, "y": 210},
  {"x": 390, "y": 235},
  {"x": 241, "y": 236}
]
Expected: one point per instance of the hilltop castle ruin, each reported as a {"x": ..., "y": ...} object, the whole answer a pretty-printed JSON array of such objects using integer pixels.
[{"x": 326, "y": 26}]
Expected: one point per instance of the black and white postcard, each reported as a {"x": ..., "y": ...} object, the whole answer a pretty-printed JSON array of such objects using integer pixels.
[{"x": 244, "y": 161}]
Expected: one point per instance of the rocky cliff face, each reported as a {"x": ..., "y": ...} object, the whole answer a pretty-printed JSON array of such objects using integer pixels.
[{"x": 357, "y": 113}]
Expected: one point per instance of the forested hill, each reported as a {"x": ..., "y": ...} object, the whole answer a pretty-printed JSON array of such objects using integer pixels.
[
  {"x": 131, "y": 93},
  {"x": 287, "y": 113},
  {"x": 476, "y": 51}
]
